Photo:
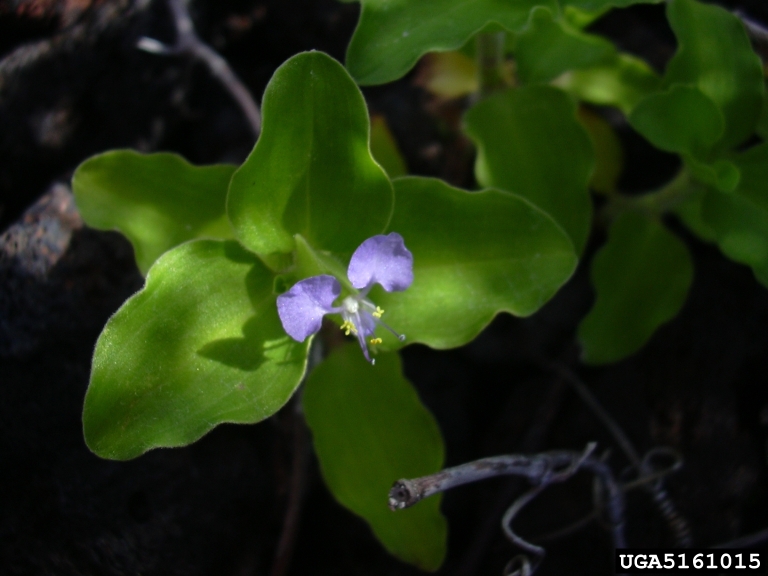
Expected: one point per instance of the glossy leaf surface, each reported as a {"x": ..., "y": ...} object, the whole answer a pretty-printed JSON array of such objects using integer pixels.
[
  {"x": 715, "y": 55},
  {"x": 549, "y": 47},
  {"x": 199, "y": 345},
  {"x": 641, "y": 277},
  {"x": 157, "y": 201},
  {"x": 311, "y": 172},
  {"x": 392, "y": 35},
  {"x": 530, "y": 143},
  {"x": 370, "y": 429},
  {"x": 478, "y": 253}
]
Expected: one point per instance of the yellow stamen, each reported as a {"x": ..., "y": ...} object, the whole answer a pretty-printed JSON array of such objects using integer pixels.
[
  {"x": 375, "y": 340},
  {"x": 378, "y": 312},
  {"x": 348, "y": 328}
]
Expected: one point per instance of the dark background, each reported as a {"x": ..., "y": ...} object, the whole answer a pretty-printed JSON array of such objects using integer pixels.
[{"x": 72, "y": 84}]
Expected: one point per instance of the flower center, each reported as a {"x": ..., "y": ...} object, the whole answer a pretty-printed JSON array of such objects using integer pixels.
[{"x": 351, "y": 304}]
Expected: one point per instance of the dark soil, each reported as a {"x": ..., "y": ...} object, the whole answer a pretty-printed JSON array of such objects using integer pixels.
[{"x": 72, "y": 84}]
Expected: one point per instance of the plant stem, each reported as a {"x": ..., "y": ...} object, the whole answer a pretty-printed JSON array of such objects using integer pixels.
[
  {"x": 655, "y": 203},
  {"x": 491, "y": 70}
]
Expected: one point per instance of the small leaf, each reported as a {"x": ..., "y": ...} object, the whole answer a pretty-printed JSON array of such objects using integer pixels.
[
  {"x": 622, "y": 83},
  {"x": 741, "y": 230},
  {"x": 448, "y": 74},
  {"x": 530, "y": 143},
  {"x": 311, "y": 172},
  {"x": 753, "y": 167},
  {"x": 384, "y": 148},
  {"x": 391, "y": 36},
  {"x": 547, "y": 48},
  {"x": 721, "y": 174},
  {"x": 476, "y": 254},
  {"x": 609, "y": 154},
  {"x": 715, "y": 55},
  {"x": 158, "y": 200},
  {"x": 740, "y": 218},
  {"x": 682, "y": 119},
  {"x": 199, "y": 345},
  {"x": 369, "y": 430},
  {"x": 641, "y": 276},
  {"x": 690, "y": 212}
]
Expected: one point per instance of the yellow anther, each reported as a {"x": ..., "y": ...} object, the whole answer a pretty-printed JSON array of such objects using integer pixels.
[
  {"x": 378, "y": 312},
  {"x": 375, "y": 340},
  {"x": 348, "y": 328}
]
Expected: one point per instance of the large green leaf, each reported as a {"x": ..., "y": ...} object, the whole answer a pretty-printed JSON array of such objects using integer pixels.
[
  {"x": 369, "y": 430},
  {"x": 201, "y": 344},
  {"x": 311, "y": 172},
  {"x": 715, "y": 54},
  {"x": 158, "y": 200},
  {"x": 393, "y": 34},
  {"x": 476, "y": 254},
  {"x": 549, "y": 47},
  {"x": 682, "y": 119},
  {"x": 530, "y": 143},
  {"x": 641, "y": 276}
]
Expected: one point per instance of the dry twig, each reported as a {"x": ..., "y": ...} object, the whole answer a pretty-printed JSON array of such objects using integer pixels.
[{"x": 188, "y": 43}]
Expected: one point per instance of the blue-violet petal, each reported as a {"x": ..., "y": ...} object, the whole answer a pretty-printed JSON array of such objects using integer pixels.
[
  {"x": 302, "y": 308},
  {"x": 384, "y": 260}
]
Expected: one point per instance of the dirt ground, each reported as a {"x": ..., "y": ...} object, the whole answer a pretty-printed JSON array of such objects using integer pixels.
[{"x": 73, "y": 84}]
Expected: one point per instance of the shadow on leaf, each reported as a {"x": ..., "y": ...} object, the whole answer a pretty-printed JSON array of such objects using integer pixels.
[{"x": 246, "y": 353}]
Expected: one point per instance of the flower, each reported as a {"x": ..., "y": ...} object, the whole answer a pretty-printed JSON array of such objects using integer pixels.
[{"x": 382, "y": 259}]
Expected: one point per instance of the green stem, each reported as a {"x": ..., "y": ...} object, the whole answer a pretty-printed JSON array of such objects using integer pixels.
[
  {"x": 491, "y": 62},
  {"x": 655, "y": 203}
]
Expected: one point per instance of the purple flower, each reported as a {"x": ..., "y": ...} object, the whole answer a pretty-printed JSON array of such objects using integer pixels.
[{"x": 380, "y": 260}]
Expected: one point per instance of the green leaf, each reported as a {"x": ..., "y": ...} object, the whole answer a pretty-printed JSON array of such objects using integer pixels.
[
  {"x": 690, "y": 212},
  {"x": 622, "y": 83},
  {"x": 199, "y": 345},
  {"x": 450, "y": 74},
  {"x": 530, "y": 143},
  {"x": 762, "y": 123},
  {"x": 682, "y": 119},
  {"x": 157, "y": 201},
  {"x": 741, "y": 230},
  {"x": 721, "y": 174},
  {"x": 740, "y": 219},
  {"x": 369, "y": 430},
  {"x": 715, "y": 54},
  {"x": 547, "y": 48},
  {"x": 384, "y": 148},
  {"x": 476, "y": 254},
  {"x": 753, "y": 167},
  {"x": 311, "y": 172},
  {"x": 641, "y": 276},
  {"x": 600, "y": 5},
  {"x": 393, "y": 34},
  {"x": 609, "y": 153}
]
